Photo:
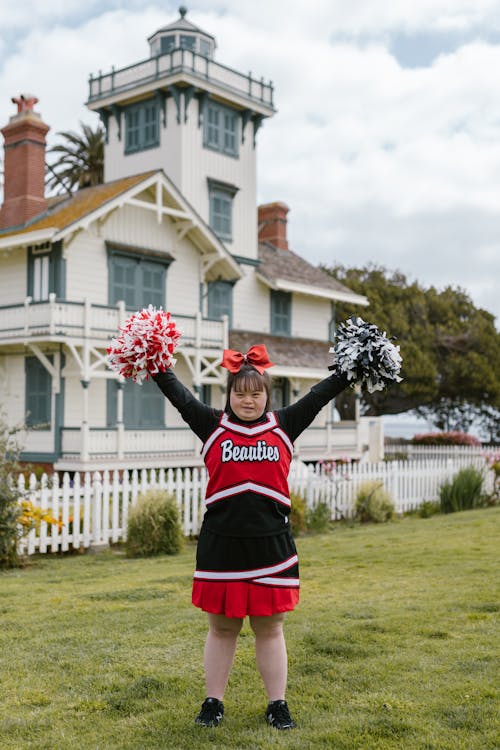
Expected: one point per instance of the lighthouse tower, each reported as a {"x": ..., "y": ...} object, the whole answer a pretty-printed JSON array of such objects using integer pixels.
[{"x": 181, "y": 111}]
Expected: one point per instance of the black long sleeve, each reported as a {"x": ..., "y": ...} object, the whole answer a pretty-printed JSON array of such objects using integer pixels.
[
  {"x": 298, "y": 416},
  {"x": 201, "y": 418}
]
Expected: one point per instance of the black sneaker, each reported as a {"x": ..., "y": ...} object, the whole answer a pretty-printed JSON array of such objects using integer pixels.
[
  {"x": 278, "y": 715},
  {"x": 212, "y": 711}
]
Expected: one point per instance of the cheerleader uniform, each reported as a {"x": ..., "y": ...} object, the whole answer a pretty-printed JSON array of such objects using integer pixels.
[{"x": 246, "y": 560}]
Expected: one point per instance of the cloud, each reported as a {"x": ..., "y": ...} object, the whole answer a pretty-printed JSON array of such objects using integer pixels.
[{"x": 378, "y": 162}]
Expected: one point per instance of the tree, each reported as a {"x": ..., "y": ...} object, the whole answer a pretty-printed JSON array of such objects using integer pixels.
[
  {"x": 81, "y": 160},
  {"x": 450, "y": 350}
]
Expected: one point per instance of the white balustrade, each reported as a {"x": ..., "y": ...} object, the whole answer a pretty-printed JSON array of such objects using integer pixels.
[
  {"x": 77, "y": 319},
  {"x": 181, "y": 60}
]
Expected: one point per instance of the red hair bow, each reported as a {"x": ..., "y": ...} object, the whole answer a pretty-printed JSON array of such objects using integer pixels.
[{"x": 256, "y": 356}]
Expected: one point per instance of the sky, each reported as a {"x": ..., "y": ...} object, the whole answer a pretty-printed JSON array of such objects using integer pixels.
[{"x": 386, "y": 140}]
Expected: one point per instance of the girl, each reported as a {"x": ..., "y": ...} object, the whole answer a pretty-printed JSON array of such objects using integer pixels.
[{"x": 246, "y": 562}]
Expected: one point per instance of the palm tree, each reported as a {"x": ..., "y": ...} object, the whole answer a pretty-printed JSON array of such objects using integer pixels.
[{"x": 81, "y": 160}]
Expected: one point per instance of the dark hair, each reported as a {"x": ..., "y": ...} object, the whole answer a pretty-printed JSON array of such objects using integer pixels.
[{"x": 249, "y": 379}]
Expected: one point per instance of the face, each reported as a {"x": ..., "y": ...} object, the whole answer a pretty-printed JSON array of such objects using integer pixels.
[{"x": 248, "y": 404}]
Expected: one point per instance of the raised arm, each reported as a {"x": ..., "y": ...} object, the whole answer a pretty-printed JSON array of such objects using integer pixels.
[
  {"x": 201, "y": 418},
  {"x": 298, "y": 416}
]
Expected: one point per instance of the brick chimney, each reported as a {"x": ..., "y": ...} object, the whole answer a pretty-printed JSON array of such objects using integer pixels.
[
  {"x": 272, "y": 224},
  {"x": 24, "y": 164}
]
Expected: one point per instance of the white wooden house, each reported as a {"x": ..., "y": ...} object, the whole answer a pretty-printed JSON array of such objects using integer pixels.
[{"x": 175, "y": 224}]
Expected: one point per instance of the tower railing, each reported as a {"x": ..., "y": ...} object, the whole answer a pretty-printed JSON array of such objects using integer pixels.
[{"x": 179, "y": 61}]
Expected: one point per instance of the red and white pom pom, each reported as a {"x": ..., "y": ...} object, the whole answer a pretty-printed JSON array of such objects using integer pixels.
[{"x": 145, "y": 344}]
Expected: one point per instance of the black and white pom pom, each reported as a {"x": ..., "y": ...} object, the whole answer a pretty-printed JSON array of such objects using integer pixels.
[{"x": 365, "y": 355}]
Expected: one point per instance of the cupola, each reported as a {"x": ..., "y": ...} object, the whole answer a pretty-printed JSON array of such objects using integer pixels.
[{"x": 182, "y": 34}]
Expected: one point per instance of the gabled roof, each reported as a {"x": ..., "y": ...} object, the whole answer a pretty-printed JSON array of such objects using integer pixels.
[
  {"x": 152, "y": 191},
  {"x": 285, "y": 270},
  {"x": 64, "y": 211},
  {"x": 293, "y": 357}
]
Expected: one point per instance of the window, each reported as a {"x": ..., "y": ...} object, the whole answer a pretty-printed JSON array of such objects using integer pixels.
[
  {"x": 205, "y": 48},
  {"x": 221, "y": 208},
  {"x": 136, "y": 280},
  {"x": 143, "y": 405},
  {"x": 188, "y": 42},
  {"x": 220, "y": 299},
  {"x": 221, "y": 219},
  {"x": 167, "y": 44},
  {"x": 281, "y": 313},
  {"x": 38, "y": 393},
  {"x": 280, "y": 395},
  {"x": 40, "y": 278},
  {"x": 221, "y": 129},
  {"x": 142, "y": 128},
  {"x": 46, "y": 271}
]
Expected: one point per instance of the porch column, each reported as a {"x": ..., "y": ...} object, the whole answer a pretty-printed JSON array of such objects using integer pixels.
[
  {"x": 329, "y": 435},
  {"x": 120, "y": 431},
  {"x": 84, "y": 454},
  {"x": 197, "y": 355}
]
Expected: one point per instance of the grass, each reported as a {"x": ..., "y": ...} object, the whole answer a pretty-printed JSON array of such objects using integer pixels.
[{"x": 394, "y": 646}]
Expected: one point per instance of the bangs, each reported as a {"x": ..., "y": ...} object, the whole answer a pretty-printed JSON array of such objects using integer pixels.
[{"x": 248, "y": 381}]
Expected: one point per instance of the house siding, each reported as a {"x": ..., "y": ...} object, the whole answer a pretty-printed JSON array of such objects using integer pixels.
[
  {"x": 13, "y": 278},
  {"x": 188, "y": 164},
  {"x": 250, "y": 303},
  {"x": 310, "y": 317}
]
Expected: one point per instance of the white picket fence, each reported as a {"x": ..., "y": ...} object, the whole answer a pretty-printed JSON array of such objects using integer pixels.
[
  {"x": 419, "y": 452},
  {"x": 94, "y": 509}
]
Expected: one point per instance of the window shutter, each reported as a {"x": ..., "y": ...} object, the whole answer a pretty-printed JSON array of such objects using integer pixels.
[
  {"x": 221, "y": 213},
  {"x": 111, "y": 403},
  {"x": 220, "y": 300},
  {"x": 221, "y": 129},
  {"x": 153, "y": 284},
  {"x": 38, "y": 396},
  {"x": 281, "y": 308},
  {"x": 143, "y": 405},
  {"x": 123, "y": 281}
]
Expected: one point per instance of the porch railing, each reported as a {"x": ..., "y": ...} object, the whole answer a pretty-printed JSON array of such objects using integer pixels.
[{"x": 86, "y": 320}]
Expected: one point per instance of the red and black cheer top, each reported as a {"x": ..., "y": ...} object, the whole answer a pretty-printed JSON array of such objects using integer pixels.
[{"x": 245, "y": 535}]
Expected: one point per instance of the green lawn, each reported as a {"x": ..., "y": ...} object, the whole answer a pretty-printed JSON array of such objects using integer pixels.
[{"x": 395, "y": 645}]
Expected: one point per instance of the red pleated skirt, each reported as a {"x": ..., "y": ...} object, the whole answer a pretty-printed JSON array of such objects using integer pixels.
[{"x": 242, "y": 598}]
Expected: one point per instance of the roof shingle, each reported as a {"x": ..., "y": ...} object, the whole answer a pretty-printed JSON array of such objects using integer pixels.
[
  {"x": 284, "y": 350},
  {"x": 64, "y": 212},
  {"x": 285, "y": 264}
]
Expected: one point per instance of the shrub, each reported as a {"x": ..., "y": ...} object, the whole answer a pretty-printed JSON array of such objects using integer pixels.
[
  {"x": 10, "y": 510},
  {"x": 373, "y": 503},
  {"x": 463, "y": 492},
  {"x": 298, "y": 514},
  {"x": 429, "y": 508},
  {"x": 153, "y": 526},
  {"x": 445, "y": 438},
  {"x": 318, "y": 518}
]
